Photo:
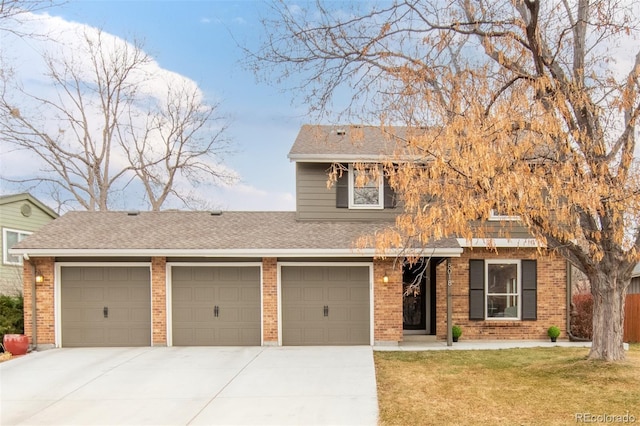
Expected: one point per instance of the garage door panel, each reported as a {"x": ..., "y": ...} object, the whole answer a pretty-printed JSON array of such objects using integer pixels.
[
  {"x": 358, "y": 313},
  {"x": 228, "y": 274},
  {"x": 338, "y": 314},
  {"x": 359, "y": 295},
  {"x": 118, "y": 274},
  {"x": 87, "y": 291},
  {"x": 202, "y": 274},
  {"x": 313, "y": 294},
  {"x": 250, "y": 275},
  {"x": 344, "y": 290},
  {"x": 313, "y": 336},
  {"x": 229, "y": 294},
  {"x": 119, "y": 294},
  {"x": 202, "y": 294},
  {"x": 234, "y": 291},
  {"x": 338, "y": 336},
  {"x": 338, "y": 274},
  {"x": 250, "y": 295},
  {"x": 92, "y": 294},
  {"x": 311, "y": 274},
  {"x": 339, "y": 294},
  {"x": 250, "y": 315}
]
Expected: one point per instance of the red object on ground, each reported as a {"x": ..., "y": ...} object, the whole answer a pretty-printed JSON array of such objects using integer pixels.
[{"x": 17, "y": 344}]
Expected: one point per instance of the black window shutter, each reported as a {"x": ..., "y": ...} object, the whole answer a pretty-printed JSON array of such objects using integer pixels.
[
  {"x": 529, "y": 290},
  {"x": 476, "y": 289},
  {"x": 342, "y": 191},
  {"x": 389, "y": 195}
]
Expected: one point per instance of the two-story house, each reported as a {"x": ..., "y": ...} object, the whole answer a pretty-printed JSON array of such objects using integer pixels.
[
  {"x": 20, "y": 215},
  {"x": 281, "y": 278}
]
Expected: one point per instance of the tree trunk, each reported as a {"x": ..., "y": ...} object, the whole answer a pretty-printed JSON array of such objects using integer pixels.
[{"x": 609, "y": 293}]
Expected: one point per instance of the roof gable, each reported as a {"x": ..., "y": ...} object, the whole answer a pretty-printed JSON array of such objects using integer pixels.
[
  {"x": 16, "y": 198},
  {"x": 324, "y": 143}
]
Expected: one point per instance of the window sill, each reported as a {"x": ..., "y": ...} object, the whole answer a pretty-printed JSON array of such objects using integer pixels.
[{"x": 503, "y": 322}]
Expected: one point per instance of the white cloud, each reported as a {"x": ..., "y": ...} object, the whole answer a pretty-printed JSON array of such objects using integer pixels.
[{"x": 63, "y": 39}]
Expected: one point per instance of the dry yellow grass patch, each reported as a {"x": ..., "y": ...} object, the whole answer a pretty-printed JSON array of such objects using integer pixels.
[{"x": 515, "y": 387}]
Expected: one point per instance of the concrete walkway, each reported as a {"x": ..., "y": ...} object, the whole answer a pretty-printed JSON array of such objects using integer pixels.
[
  {"x": 190, "y": 386},
  {"x": 465, "y": 345}
]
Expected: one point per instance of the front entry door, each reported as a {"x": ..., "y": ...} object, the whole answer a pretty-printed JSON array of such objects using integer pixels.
[
  {"x": 413, "y": 306},
  {"x": 415, "y": 297}
]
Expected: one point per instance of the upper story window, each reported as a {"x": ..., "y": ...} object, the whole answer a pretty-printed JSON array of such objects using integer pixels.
[
  {"x": 496, "y": 214},
  {"x": 366, "y": 189},
  {"x": 11, "y": 237}
]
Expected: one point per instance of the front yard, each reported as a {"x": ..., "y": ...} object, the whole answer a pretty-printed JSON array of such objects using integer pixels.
[{"x": 514, "y": 386}]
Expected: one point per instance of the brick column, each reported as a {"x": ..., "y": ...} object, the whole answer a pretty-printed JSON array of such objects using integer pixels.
[
  {"x": 45, "y": 307},
  {"x": 269, "y": 301},
  {"x": 387, "y": 302},
  {"x": 159, "y": 301}
]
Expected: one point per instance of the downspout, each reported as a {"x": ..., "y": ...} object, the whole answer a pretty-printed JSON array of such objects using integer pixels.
[
  {"x": 34, "y": 312},
  {"x": 449, "y": 304}
]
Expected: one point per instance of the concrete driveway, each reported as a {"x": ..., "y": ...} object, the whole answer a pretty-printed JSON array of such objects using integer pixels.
[{"x": 190, "y": 386}]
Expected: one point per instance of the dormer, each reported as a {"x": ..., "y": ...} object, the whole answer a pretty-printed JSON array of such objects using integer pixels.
[{"x": 361, "y": 191}]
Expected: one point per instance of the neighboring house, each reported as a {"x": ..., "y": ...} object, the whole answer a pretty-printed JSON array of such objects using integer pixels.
[
  {"x": 634, "y": 287},
  {"x": 20, "y": 215},
  {"x": 281, "y": 278}
]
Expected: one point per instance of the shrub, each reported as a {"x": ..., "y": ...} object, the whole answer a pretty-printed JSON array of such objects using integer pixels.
[
  {"x": 456, "y": 331},
  {"x": 553, "y": 332},
  {"x": 11, "y": 315},
  {"x": 582, "y": 315}
]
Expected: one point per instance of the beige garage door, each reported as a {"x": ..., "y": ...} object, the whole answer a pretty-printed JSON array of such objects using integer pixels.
[
  {"x": 215, "y": 305},
  {"x": 105, "y": 306},
  {"x": 325, "y": 305}
]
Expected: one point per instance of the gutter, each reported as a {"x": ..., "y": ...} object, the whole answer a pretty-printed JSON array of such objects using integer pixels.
[{"x": 243, "y": 252}]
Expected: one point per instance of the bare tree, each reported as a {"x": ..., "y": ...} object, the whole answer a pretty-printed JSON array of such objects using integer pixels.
[
  {"x": 104, "y": 129},
  {"x": 516, "y": 105},
  {"x": 15, "y": 10},
  {"x": 181, "y": 138}
]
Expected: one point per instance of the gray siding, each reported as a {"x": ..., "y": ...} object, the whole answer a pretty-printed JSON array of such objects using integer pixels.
[
  {"x": 634, "y": 287},
  {"x": 314, "y": 201}
]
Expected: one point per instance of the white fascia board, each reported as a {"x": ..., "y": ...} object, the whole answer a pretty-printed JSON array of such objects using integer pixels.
[
  {"x": 350, "y": 158},
  {"x": 500, "y": 242},
  {"x": 438, "y": 252}
]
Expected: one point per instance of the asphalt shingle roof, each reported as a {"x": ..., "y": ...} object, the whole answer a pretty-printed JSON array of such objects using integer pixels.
[
  {"x": 367, "y": 142},
  {"x": 186, "y": 230}
]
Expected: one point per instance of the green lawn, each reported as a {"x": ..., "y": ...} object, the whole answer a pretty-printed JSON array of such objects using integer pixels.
[{"x": 512, "y": 387}]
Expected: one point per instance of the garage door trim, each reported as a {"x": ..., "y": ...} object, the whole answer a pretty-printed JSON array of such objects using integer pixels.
[
  {"x": 169, "y": 307},
  {"x": 365, "y": 264},
  {"x": 57, "y": 290}
]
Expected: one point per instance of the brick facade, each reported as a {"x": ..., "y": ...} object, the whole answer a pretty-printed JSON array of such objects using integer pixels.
[
  {"x": 387, "y": 301},
  {"x": 159, "y": 301},
  {"x": 551, "y": 297},
  {"x": 269, "y": 301},
  {"x": 387, "y": 297},
  {"x": 45, "y": 297}
]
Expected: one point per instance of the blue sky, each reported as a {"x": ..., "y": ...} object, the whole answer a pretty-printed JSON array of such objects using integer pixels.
[{"x": 196, "y": 39}]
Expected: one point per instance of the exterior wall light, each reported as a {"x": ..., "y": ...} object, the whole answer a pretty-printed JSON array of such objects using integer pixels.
[
  {"x": 39, "y": 278},
  {"x": 385, "y": 278}
]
